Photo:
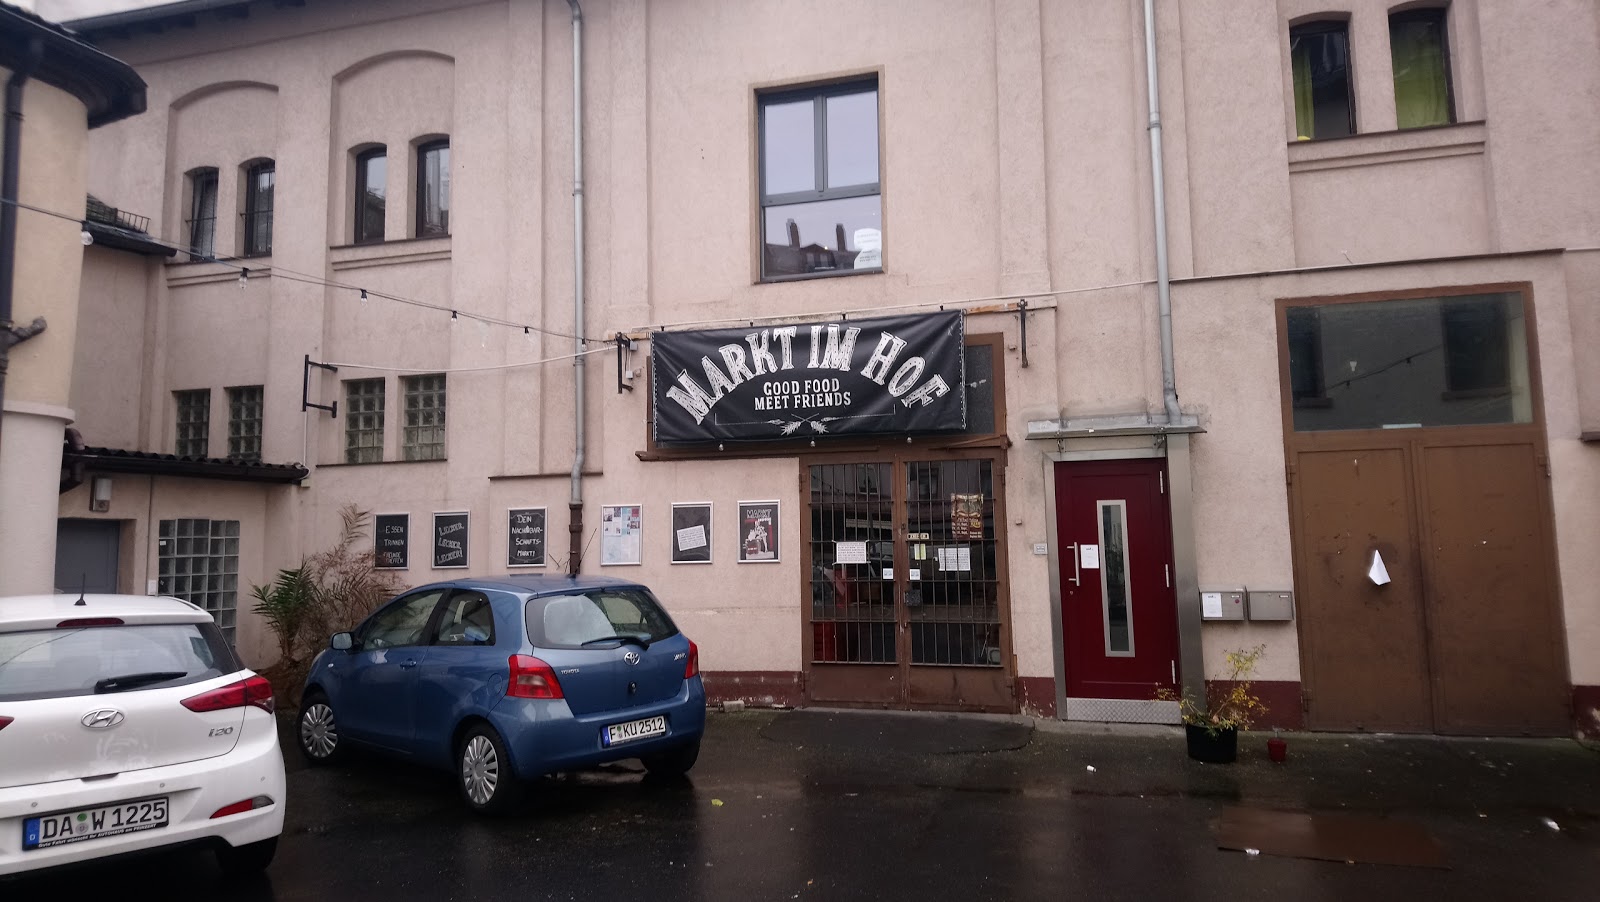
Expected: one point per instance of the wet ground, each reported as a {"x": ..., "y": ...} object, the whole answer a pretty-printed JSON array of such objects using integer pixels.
[{"x": 883, "y": 806}]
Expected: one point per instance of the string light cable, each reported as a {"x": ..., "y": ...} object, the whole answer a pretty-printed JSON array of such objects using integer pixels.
[{"x": 384, "y": 368}]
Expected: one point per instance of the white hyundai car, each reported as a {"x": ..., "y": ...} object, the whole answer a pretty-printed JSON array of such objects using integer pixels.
[{"x": 127, "y": 724}]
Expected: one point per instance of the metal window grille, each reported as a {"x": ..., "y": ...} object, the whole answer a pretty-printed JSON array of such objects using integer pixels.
[
  {"x": 852, "y": 607},
  {"x": 363, "y": 425},
  {"x": 202, "y": 221},
  {"x": 954, "y": 610},
  {"x": 244, "y": 422},
  {"x": 260, "y": 183},
  {"x": 424, "y": 431},
  {"x": 194, "y": 422},
  {"x": 198, "y": 561}
]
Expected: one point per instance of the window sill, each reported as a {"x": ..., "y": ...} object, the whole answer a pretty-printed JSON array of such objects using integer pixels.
[
  {"x": 380, "y": 253},
  {"x": 824, "y": 274},
  {"x": 1378, "y": 148},
  {"x": 383, "y": 463}
]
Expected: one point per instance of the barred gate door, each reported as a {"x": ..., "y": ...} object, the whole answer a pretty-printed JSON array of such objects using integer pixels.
[{"x": 906, "y": 582}]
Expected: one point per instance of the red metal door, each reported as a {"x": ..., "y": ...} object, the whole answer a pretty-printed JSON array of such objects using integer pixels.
[{"x": 1114, "y": 545}]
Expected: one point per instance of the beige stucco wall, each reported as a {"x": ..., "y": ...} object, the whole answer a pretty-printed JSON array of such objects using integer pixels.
[{"x": 1015, "y": 159}]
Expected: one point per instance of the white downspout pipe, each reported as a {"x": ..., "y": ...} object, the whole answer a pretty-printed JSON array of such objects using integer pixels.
[
  {"x": 575, "y": 506},
  {"x": 1158, "y": 189}
]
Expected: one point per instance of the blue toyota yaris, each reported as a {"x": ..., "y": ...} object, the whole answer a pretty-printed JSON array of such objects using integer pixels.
[{"x": 503, "y": 680}]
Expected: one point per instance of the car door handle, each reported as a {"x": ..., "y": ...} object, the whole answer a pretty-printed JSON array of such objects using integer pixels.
[{"x": 407, "y": 665}]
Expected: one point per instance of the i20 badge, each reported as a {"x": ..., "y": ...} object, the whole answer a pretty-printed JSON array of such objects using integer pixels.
[{"x": 103, "y": 719}]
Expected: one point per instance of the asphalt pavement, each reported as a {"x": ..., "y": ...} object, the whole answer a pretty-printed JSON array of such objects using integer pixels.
[{"x": 835, "y": 805}]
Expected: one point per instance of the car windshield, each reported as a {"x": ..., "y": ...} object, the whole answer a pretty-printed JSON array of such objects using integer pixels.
[
  {"x": 57, "y": 663},
  {"x": 596, "y": 617}
]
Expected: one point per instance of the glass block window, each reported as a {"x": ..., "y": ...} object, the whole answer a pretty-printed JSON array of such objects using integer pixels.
[
  {"x": 424, "y": 432},
  {"x": 244, "y": 422},
  {"x": 198, "y": 562},
  {"x": 194, "y": 422},
  {"x": 363, "y": 423}
]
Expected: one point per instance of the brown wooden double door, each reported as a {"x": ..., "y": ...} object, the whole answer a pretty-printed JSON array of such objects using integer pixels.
[
  {"x": 905, "y": 582},
  {"x": 1465, "y": 637}
]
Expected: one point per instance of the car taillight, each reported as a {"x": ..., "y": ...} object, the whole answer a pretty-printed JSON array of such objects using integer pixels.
[
  {"x": 81, "y": 622},
  {"x": 253, "y": 691},
  {"x": 693, "y": 667},
  {"x": 243, "y": 806},
  {"x": 532, "y": 678},
  {"x": 4, "y": 721}
]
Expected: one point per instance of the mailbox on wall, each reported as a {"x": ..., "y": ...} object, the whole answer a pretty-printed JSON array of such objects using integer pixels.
[
  {"x": 1222, "y": 604},
  {"x": 1270, "y": 605}
]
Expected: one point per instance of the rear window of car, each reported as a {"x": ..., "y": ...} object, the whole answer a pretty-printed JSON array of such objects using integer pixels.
[
  {"x": 58, "y": 663},
  {"x": 589, "y": 618}
]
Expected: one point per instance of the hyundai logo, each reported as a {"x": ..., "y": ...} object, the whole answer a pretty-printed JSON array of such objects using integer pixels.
[
  {"x": 631, "y": 657},
  {"x": 103, "y": 719}
]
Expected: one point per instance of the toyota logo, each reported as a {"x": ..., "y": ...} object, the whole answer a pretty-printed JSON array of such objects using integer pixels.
[
  {"x": 631, "y": 657},
  {"x": 103, "y": 719}
]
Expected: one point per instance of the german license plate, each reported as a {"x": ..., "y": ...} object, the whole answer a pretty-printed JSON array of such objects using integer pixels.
[
  {"x": 64, "y": 827},
  {"x": 618, "y": 733}
]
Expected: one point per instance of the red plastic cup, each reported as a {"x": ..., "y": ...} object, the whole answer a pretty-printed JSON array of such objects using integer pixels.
[{"x": 1277, "y": 750}]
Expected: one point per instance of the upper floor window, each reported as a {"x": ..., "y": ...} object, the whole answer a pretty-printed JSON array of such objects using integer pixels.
[
  {"x": 372, "y": 169},
  {"x": 433, "y": 189},
  {"x": 424, "y": 429},
  {"x": 202, "y": 220},
  {"x": 194, "y": 422},
  {"x": 244, "y": 422},
  {"x": 259, "y": 179},
  {"x": 1421, "y": 50},
  {"x": 821, "y": 207},
  {"x": 1324, "y": 106}
]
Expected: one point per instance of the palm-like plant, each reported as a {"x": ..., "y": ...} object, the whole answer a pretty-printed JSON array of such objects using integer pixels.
[{"x": 285, "y": 603}]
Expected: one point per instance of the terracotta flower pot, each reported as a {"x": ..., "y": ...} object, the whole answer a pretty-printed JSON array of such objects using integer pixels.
[{"x": 1221, "y": 747}]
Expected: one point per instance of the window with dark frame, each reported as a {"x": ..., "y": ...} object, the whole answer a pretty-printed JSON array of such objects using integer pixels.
[
  {"x": 202, "y": 221},
  {"x": 424, "y": 427},
  {"x": 1324, "y": 103},
  {"x": 821, "y": 205},
  {"x": 244, "y": 422},
  {"x": 1420, "y": 46},
  {"x": 1477, "y": 359},
  {"x": 198, "y": 561},
  {"x": 363, "y": 425},
  {"x": 1305, "y": 348},
  {"x": 259, "y": 181},
  {"x": 372, "y": 169},
  {"x": 194, "y": 422},
  {"x": 433, "y": 189}
]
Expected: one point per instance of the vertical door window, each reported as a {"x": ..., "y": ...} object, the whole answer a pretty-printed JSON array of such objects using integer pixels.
[
  {"x": 1324, "y": 107},
  {"x": 952, "y": 582},
  {"x": 259, "y": 183},
  {"x": 194, "y": 422},
  {"x": 1421, "y": 52},
  {"x": 852, "y": 542},
  {"x": 202, "y": 221},
  {"x": 1114, "y": 589},
  {"x": 433, "y": 189},
  {"x": 372, "y": 168}
]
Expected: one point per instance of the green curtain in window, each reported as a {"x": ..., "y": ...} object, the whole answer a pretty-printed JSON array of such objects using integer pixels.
[
  {"x": 1305, "y": 120},
  {"x": 1421, "y": 72}
]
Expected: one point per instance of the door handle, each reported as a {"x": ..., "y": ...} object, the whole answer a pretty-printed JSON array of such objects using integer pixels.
[
  {"x": 1077, "y": 574},
  {"x": 407, "y": 665}
]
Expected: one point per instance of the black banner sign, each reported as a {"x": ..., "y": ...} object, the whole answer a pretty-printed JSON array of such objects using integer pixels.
[
  {"x": 391, "y": 541},
  {"x": 525, "y": 537},
  {"x": 449, "y": 540},
  {"x": 891, "y": 374}
]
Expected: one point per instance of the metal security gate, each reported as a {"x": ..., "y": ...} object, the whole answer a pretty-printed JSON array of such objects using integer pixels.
[{"x": 906, "y": 581}]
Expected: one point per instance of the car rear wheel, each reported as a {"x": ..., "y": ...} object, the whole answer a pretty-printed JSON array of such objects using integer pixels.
[
  {"x": 251, "y": 858},
  {"x": 483, "y": 771},
  {"x": 319, "y": 731},
  {"x": 675, "y": 762}
]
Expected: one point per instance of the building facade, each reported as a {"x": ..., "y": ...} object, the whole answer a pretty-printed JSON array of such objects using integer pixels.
[{"x": 1369, "y": 450}]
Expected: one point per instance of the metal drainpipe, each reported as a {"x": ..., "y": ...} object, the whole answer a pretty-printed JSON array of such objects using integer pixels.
[
  {"x": 1158, "y": 186},
  {"x": 8, "y": 210},
  {"x": 575, "y": 505}
]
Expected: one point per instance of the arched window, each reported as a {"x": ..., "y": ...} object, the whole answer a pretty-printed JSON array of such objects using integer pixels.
[
  {"x": 433, "y": 188},
  {"x": 1319, "y": 53},
  {"x": 259, "y": 180},
  {"x": 372, "y": 168}
]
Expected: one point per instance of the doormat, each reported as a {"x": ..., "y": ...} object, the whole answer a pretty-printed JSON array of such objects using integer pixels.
[
  {"x": 1330, "y": 837},
  {"x": 910, "y": 734}
]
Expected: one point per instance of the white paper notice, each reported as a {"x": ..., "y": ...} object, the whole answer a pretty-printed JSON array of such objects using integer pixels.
[
  {"x": 888, "y": 573},
  {"x": 1089, "y": 557},
  {"x": 691, "y": 537},
  {"x": 850, "y": 553},
  {"x": 954, "y": 557},
  {"x": 1378, "y": 573},
  {"x": 1210, "y": 604},
  {"x": 913, "y": 574}
]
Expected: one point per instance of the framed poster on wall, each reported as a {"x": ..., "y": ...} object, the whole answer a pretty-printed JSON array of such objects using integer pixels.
[
  {"x": 391, "y": 541},
  {"x": 691, "y": 532},
  {"x": 620, "y": 528},
  {"x": 525, "y": 537},
  {"x": 758, "y": 532},
  {"x": 450, "y": 540}
]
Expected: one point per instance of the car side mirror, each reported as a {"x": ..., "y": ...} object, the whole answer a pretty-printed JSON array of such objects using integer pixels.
[{"x": 342, "y": 642}]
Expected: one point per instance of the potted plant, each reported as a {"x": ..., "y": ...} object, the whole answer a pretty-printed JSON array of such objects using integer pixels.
[{"x": 1212, "y": 729}]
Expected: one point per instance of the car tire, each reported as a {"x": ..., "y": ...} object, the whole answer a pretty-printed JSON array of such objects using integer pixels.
[
  {"x": 484, "y": 774},
  {"x": 317, "y": 731},
  {"x": 673, "y": 762},
  {"x": 248, "y": 859}
]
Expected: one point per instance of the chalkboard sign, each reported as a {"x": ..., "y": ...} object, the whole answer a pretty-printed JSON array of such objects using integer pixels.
[
  {"x": 691, "y": 533},
  {"x": 525, "y": 537},
  {"x": 391, "y": 542},
  {"x": 449, "y": 540}
]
